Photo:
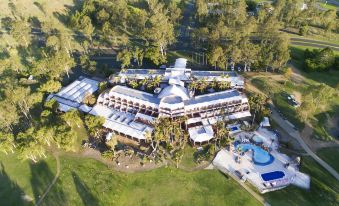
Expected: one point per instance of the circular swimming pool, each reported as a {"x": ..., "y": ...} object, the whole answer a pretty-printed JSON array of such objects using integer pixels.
[{"x": 260, "y": 156}]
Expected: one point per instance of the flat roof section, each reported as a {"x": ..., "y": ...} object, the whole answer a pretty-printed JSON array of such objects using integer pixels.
[
  {"x": 209, "y": 98},
  {"x": 214, "y": 73},
  {"x": 125, "y": 91},
  {"x": 77, "y": 90}
]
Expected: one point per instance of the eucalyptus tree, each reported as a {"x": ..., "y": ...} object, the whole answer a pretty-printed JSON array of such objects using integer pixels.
[
  {"x": 21, "y": 32},
  {"x": 9, "y": 115},
  {"x": 51, "y": 86},
  {"x": 72, "y": 117},
  {"x": 124, "y": 57},
  {"x": 159, "y": 31},
  {"x": 7, "y": 143},
  {"x": 215, "y": 55},
  {"x": 94, "y": 125},
  {"x": 29, "y": 147},
  {"x": 138, "y": 54}
]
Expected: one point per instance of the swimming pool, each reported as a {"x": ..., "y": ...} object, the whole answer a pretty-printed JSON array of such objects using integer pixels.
[
  {"x": 235, "y": 128},
  {"x": 272, "y": 175},
  {"x": 260, "y": 156}
]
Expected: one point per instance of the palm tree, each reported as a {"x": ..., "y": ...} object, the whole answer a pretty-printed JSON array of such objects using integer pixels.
[
  {"x": 193, "y": 85},
  {"x": 202, "y": 85},
  {"x": 223, "y": 85},
  {"x": 220, "y": 131},
  {"x": 257, "y": 103},
  {"x": 156, "y": 81},
  {"x": 133, "y": 83},
  {"x": 177, "y": 157},
  {"x": 214, "y": 83}
]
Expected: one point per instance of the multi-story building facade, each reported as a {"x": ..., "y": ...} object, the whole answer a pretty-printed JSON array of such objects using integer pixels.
[{"x": 174, "y": 100}]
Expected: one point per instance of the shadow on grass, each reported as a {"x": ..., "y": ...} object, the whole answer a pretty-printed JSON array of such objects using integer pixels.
[
  {"x": 42, "y": 176},
  {"x": 10, "y": 192},
  {"x": 84, "y": 192}
]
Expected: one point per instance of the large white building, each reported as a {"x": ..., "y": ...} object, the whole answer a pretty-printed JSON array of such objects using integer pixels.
[
  {"x": 130, "y": 112},
  {"x": 186, "y": 75}
]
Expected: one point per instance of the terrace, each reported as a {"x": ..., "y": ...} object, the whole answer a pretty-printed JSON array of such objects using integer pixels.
[{"x": 254, "y": 157}]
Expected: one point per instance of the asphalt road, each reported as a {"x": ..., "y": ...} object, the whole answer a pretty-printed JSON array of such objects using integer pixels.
[{"x": 296, "y": 135}]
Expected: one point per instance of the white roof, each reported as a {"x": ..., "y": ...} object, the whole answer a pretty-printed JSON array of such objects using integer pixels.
[
  {"x": 65, "y": 108},
  {"x": 131, "y": 129},
  {"x": 77, "y": 90},
  {"x": 180, "y": 63},
  {"x": 121, "y": 122},
  {"x": 85, "y": 108},
  {"x": 214, "y": 98},
  {"x": 174, "y": 90},
  {"x": 265, "y": 122},
  {"x": 145, "y": 117},
  {"x": 99, "y": 110},
  {"x": 201, "y": 134}
]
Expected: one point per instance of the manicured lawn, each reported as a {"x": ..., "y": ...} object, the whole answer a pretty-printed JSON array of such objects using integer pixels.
[
  {"x": 188, "y": 157},
  {"x": 276, "y": 90},
  {"x": 88, "y": 182},
  {"x": 328, "y": 6},
  {"x": 46, "y": 11},
  {"x": 22, "y": 177},
  {"x": 330, "y": 155},
  {"x": 270, "y": 84},
  {"x": 81, "y": 135},
  {"x": 324, "y": 189}
]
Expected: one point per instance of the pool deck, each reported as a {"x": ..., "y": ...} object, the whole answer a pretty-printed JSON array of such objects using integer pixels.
[{"x": 244, "y": 167}]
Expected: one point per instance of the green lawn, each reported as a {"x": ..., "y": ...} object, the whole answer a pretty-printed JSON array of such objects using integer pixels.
[
  {"x": 22, "y": 177},
  {"x": 328, "y": 6},
  {"x": 330, "y": 155},
  {"x": 187, "y": 160},
  {"x": 324, "y": 189},
  {"x": 81, "y": 135},
  {"x": 275, "y": 86},
  {"x": 52, "y": 12},
  {"x": 276, "y": 90},
  {"x": 88, "y": 182}
]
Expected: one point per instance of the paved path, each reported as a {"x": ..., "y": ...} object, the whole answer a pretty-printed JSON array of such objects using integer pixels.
[
  {"x": 295, "y": 134},
  {"x": 56, "y": 155}
]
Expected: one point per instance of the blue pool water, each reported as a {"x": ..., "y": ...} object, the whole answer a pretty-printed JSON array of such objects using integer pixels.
[
  {"x": 234, "y": 128},
  {"x": 260, "y": 156},
  {"x": 272, "y": 175}
]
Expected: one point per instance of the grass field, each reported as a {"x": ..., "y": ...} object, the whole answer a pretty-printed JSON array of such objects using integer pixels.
[
  {"x": 330, "y": 155},
  {"x": 88, "y": 182},
  {"x": 328, "y": 6},
  {"x": 276, "y": 86},
  {"x": 187, "y": 160},
  {"x": 324, "y": 189},
  {"x": 17, "y": 178},
  {"x": 52, "y": 12}
]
